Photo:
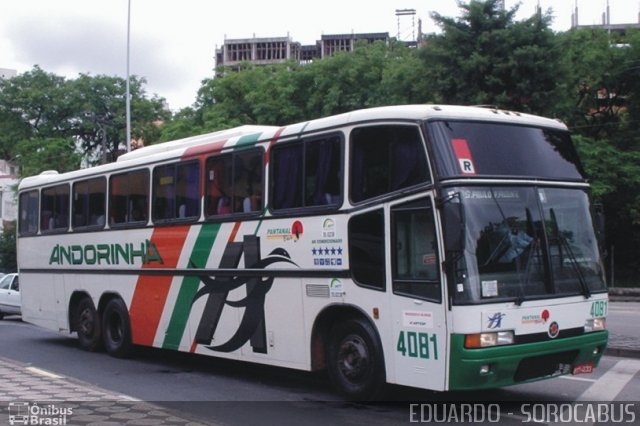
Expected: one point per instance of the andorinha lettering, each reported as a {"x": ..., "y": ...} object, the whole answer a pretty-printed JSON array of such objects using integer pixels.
[{"x": 105, "y": 254}]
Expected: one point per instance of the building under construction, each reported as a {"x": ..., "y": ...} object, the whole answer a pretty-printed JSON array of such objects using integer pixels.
[{"x": 274, "y": 50}]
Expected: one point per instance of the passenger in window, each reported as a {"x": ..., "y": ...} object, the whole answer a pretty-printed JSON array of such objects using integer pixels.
[{"x": 224, "y": 205}]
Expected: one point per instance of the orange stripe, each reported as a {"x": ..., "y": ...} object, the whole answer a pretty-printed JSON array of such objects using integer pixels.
[
  {"x": 234, "y": 232},
  {"x": 151, "y": 292},
  {"x": 273, "y": 140}
]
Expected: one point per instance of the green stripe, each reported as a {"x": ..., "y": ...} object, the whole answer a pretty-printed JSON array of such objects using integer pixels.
[
  {"x": 248, "y": 139},
  {"x": 189, "y": 287}
]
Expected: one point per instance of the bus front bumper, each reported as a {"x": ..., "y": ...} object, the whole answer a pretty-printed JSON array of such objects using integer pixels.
[{"x": 513, "y": 364}]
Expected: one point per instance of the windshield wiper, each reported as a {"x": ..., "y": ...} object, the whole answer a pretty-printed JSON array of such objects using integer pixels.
[{"x": 562, "y": 242}]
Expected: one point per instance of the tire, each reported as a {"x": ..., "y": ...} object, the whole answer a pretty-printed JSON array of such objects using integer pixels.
[
  {"x": 355, "y": 360},
  {"x": 1, "y": 316},
  {"x": 116, "y": 329},
  {"x": 87, "y": 324}
]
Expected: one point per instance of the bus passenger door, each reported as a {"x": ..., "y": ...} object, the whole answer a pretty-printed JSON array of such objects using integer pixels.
[{"x": 419, "y": 325}]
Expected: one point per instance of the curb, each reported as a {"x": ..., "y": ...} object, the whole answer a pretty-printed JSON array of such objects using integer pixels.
[{"x": 623, "y": 352}]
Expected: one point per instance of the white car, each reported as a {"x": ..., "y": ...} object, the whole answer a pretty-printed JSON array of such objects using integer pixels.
[{"x": 9, "y": 295}]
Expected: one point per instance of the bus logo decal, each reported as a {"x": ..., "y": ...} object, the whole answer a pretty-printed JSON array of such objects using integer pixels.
[
  {"x": 252, "y": 326},
  {"x": 105, "y": 254},
  {"x": 495, "y": 321}
]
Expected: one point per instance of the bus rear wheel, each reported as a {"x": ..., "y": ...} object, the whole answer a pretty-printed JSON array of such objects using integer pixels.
[
  {"x": 116, "y": 329},
  {"x": 354, "y": 360},
  {"x": 87, "y": 325}
]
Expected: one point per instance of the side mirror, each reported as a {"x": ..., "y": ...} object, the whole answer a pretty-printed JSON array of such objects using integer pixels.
[
  {"x": 453, "y": 218},
  {"x": 599, "y": 225}
]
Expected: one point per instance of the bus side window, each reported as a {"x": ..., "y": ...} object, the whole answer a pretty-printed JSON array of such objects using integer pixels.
[
  {"x": 176, "y": 191},
  {"x": 366, "y": 249},
  {"x": 386, "y": 159},
  {"x": 89, "y": 199},
  {"x": 128, "y": 198},
  {"x": 28, "y": 220},
  {"x": 307, "y": 173},
  {"x": 234, "y": 183},
  {"x": 54, "y": 208}
]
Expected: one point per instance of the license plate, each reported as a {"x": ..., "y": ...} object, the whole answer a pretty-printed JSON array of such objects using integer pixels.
[{"x": 585, "y": 368}]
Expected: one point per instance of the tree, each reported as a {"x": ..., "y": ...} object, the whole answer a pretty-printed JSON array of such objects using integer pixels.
[
  {"x": 485, "y": 57},
  {"x": 593, "y": 85},
  {"x": 100, "y": 116},
  {"x": 36, "y": 155},
  {"x": 40, "y": 107},
  {"x": 8, "y": 258},
  {"x": 372, "y": 75}
]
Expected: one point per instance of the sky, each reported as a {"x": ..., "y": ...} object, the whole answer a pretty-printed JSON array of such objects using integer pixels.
[{"x": 172, "y": 43}]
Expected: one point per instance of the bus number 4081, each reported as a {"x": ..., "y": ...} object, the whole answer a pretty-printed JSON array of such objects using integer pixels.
[{"x": 417, "y": 345}]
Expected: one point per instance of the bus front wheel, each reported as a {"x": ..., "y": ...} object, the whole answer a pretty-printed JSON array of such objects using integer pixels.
[
  {"x": 354, "y": 360},
  {"x": 116, "y": 329},
  {"x": 87, "y": 325}
]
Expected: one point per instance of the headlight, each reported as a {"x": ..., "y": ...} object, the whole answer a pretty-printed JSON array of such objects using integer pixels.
[
  {"x": 595, "y": 324},
  {"x": 485, "y": 340}
]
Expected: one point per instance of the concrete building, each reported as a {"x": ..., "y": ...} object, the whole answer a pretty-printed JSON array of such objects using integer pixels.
[
  {"x": 275, "y": 50},
  {"x": 260, "y": 51},
  {"x": 618, "y": 29}
]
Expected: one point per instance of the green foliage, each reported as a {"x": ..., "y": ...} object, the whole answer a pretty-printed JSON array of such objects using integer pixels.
[
  {"x": 8, "y": 258},
  {"x": 486, "y": 58},
  {"x": 39, "y": 107},
  {"x": 39, "y": 154}
]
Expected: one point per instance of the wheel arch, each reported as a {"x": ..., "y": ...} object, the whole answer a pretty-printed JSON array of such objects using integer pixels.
[
  {"x": 74, "y": 300},
  {"x": 323, "y": 324},
  {"x": 79, "y": 295}
]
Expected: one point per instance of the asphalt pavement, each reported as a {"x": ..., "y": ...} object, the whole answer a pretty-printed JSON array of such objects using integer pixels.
[{"x": 67, "y": 401}]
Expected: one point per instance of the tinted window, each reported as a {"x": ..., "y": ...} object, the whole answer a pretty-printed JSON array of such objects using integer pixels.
[
  {"x": 28, "y": 220},
  {"x": 366, "y": 249},
  {"x": 307, "y": 173},
  {"x": 234, "y": 183},
  {"x": 176, "y": 191},
  {"x": 89, "y": 199},
  {"x": 386, "y": 159},
  {"x": 129, "y": 198},
  {"x": 54, "y": 208},
  {"x": 468, "y": 149},
  {"x": 415, "y": 251}
]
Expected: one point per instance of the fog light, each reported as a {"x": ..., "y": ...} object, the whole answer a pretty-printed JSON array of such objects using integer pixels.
[
  {"x": 596, "y": 351},
  {"x": 485, "y": 369}
]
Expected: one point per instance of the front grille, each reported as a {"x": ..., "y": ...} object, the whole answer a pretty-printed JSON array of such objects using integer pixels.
[
  {"x": 545, "y": 365},
  {"x": 543, "y": 337}
]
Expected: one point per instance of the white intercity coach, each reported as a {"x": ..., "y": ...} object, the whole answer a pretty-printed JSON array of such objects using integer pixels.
[{"x": 439, "y": 247}]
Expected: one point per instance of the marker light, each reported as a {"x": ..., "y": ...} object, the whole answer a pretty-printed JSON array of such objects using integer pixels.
[
  {"x": 595, "y": 324},
  {"x": 485, "y": 340}
]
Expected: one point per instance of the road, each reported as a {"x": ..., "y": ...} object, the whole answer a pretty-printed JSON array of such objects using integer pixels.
[
  {"x": 624, "y": 318},
  {"x": 230, "y": 392}
]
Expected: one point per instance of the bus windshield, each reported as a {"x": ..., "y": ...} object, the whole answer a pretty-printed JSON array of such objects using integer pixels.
[
  {"x": 526, "y": 243},
  {"x": 465, "y": 148}
]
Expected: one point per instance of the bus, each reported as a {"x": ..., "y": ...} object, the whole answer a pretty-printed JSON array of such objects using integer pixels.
[{"x": 432, "y": 246}]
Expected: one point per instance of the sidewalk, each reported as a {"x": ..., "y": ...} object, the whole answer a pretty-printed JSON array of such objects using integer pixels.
[{"x": 32, "y": 396}]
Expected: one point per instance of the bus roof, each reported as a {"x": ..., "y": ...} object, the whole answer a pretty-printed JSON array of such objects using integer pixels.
[{"x": 248, "y": 134}]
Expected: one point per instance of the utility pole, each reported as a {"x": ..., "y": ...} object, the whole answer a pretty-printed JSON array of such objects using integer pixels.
[{"x": 128, "y": 94}]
